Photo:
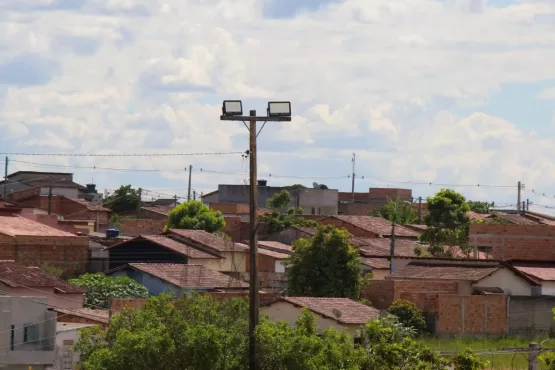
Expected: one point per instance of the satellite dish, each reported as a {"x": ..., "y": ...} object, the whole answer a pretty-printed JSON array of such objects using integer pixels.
[
  {"x": 337, "y": 313},
  {"x": 315, "y": 185}
]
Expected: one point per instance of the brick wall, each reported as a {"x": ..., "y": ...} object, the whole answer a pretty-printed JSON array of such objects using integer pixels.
[
  {"x": 471, "y": 315},
  {"x": 391, "y": 193},
  {"x": 151, "y": 215},
  {"x": 524, "y": 242},
  {"x": 233, "y": 227},
  {"x": 357, "y": 209},
  {"x": 64, "y": 317},
  {"x": 230, "y": 208},
  {"x": 422, "y": 292},
  {"x": 140, "y": 226}
]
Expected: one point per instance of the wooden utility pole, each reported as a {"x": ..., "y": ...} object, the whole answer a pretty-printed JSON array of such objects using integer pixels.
[
  {"x": 518, "y": 204},
  {"x": 392, "y": 247},
  {"x": 194, "y": 195},
  {"x": 353, "y": 179},
  {"x": 254, "y": 304},
  {"x": 527, "y": 204},
  {"x": 533, "y": 354},
  {"x": 189, "y": 188},
  {"x": 139, "y": 201},
  {"x": 6, "y": 176},
  {"x": 50, "y": 195},
  {"x": 419, "y": 210}
]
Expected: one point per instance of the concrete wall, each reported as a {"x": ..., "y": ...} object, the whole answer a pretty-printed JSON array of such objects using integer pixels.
[
  {"x": 284, "y": 311},
  {"x": 521, "y": 242},
  {"x": 508, "y": 281},
  {"x": 20, "y": 313},
  {"x": 548, "y": 287},
  {"x": 531, "y": 316},
  {"x": 66, "y": 192},
  {"x": 318, "y": 201},
  {"x": 61, "y": 300}
]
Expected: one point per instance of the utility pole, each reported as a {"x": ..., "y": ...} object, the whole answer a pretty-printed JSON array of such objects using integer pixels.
[
  {"x": 527, "y": 204},
  {"x": 139, "y": 201},
  {"x": 6, "y": 176},
  {"x": 232, "y": 110},
  {"x": 518, "y": 196},
  {"x": 353, "y": 182},
  {"x": 189, "y": 188},
  {"x": 419, "y": 210},
  {"x": 175, "y": 200},
  {"x": 194, "y": 195},
  {"x": 523, "y": 206},
  {"x": 533, "y": 354},
  {"x": 392, "y": 247},
  {"x": 50, "y": 195}
]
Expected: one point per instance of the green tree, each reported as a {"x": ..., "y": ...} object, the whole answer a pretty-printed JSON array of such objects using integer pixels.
[
  {"x": 195, "y": 215},
  {"x": 480, "y": 207},
  {"x": 391, "y": 346},
  {"x": 100, "y": 288},
  {"x": 398, "y": 210},
  {"x": 283, "y": 216},
  {"x": 447, "y": 222},
  {"x": 408, "y": 314},
  {"x": 326, "y": 265},
  {"x": 124, "y": 199}
]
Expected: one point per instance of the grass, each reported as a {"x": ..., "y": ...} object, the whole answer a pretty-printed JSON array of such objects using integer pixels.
[{"x": 497, "y": 361}]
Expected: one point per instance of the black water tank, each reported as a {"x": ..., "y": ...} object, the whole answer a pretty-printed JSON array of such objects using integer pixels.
[
  {"x": 262, "y": 183},
  {"x": 91, "y": 188}
]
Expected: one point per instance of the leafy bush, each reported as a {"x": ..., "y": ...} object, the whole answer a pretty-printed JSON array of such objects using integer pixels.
[
  {"x": 408, "y": 314},
  {"x": 467, "y": 360},
  {"x": 195, "y": 215},
  {"x": 100, "y": 288}
]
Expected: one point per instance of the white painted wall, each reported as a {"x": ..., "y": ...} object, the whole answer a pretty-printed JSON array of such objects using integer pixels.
[
  {"x": 279, "y": 267},
  {"x": 548, "y": 287},
  {"x": 508, "y": 281}
]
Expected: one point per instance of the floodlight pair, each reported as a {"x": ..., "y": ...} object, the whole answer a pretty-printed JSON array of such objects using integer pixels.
[{"x": 275, "y": 108}]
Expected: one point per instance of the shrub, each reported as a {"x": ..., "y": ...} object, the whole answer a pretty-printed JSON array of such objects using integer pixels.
[
  {"x": 408, "y": 314},
  {"x": 467, "y": 360}
]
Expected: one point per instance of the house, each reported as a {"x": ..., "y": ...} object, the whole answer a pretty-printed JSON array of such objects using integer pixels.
[
  {"x": 542, "y": 272},
  {"x": 369, "y": 227},
  {"x": 27, "y": 332},
  {"x": 155, "y": 212},
  {"x": 34, "y": 244},
  {"x": 471, "y": 276},
  {"x": 379, "y": 267},
  {"x": 159, "y": 249},
  {"x": 313, "y": 201},
  {"x": 61, "y": 183},
  {"x": 67, "y": 335},
  {"x": 233, "y": 255},
  {"x": 362, "y": 204},
  {"x": 64, "y": 207},
  {"x": 335, "y": 313},
  {"x": 271, "y": 269},
  {"x": 177, "y": 279},
  {"x": 82, "y": 316},
  {"x": 19, "y": 280},
  {"x": 289, "y": 235}
]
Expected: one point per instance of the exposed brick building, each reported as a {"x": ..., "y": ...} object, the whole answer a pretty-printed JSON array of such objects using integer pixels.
[
  {"x": 369, "y": 227},
  {"x": 34, "y": 244}
]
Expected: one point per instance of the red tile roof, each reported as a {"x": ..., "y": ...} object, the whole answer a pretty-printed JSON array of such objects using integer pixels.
[
  {"x": 377, "y": 225},
  {"x": 170, "y": 244},
  {"x": 273, "y": 254},
  {"x": 477, "y": 216},
  {"x": 19, "y": 226},
  {"x": 101, "y": 316},
  {"x": 344, "y": 310},
  {"x": 545, "y": 272},
  {"x": 447, "y": 271},
  {"x": 16, "y": 275},
  {"x": 189, "y": 276},
  {"x": 380, "y": 247},
  {"x": 376, "y": 263},
  {"x": 515, "y": 219},
  {"x": 275, "y": 246},
  {"x": 162, "y": 210},
  {"x": 207, "y": 240},
  {"x": 307, "y": 230}
]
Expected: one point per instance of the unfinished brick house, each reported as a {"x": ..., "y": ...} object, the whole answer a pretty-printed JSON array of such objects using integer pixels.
[{"x": 35, "y": 244}]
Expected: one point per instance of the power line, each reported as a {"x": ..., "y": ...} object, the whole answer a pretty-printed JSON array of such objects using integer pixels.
[
  {"x": 271, "y": 175},
  {"x": 119, "y": 155}
]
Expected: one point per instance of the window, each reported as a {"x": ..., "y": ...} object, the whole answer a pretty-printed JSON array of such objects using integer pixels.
[
  {"x": 313, "y": 210},
  {"x": 30, "y": 333}
]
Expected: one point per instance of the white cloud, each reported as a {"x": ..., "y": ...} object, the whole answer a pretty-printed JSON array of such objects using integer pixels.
[{"x": 382, "y": 78}]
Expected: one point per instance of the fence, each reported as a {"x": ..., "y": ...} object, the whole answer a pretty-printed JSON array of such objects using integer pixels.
[{"x": 531, "y": 316}]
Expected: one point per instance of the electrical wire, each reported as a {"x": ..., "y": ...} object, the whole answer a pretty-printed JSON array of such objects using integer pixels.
[
  {"x": 270, "y": 175},
  {"x": 118, "y": 155}
]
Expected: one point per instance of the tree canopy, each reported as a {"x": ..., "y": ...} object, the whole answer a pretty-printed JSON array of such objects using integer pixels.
[
  {"x": 100, "y": 288},
  {"x": 195, "y": 215},
  {"x": 283, "y": 215},
  {"x": 480, "y": 207},
  {"x": 447, "y": 222},
  {"x": 326, "y": 265},
  {"x": 397, "y": 211},
  {"x": 197, "y": 332},
  {"x": 124, "y": 199}
]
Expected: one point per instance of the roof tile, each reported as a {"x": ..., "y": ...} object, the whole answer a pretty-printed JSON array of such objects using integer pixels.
[
  {"x": 446, "y": 271},
  {"x": 376, "y": 263},
  {"x": 545, "y": 272},
  {"x": 276, "y": 246},
  {"x": 349, "y": 311},
  {"x": 101, "y": 316},
  {"x": 20, "y": 226},
  {"x": 207, "y": 240},
  {"x": 380, "y": 247},
  {"x": 377, "y": 225},
  {"x": 189, "y": 276},
  {"x": 16, "y": 275},
  {"x": 170, "y": 244}
]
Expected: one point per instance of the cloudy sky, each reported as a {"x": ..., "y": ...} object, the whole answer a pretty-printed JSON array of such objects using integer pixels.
[{"x": 423, "y": 91}]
